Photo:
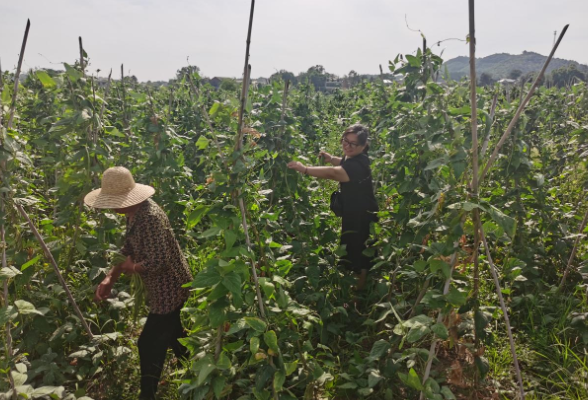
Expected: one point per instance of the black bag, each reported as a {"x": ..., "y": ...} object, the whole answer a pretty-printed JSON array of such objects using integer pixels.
[{"x": 337, "y": 203}]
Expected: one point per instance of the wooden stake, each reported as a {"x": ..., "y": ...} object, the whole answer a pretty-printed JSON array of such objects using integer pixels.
[
  {"x": 17, "y": 75},
  {"x": 573, "y": 255},
  {"x": 56, "y": 269},
  {"x": 521, "y": 107},
  {"x": 246, "y": 71},
  {"x": 124, "y": 95},
  {"x": 82, "y": 66}
]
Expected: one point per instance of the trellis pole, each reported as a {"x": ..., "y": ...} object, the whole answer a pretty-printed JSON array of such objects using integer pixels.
[{"x": 49, "y": 256}]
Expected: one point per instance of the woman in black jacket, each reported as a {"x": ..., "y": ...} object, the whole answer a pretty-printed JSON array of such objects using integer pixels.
[{"x": 353, "y": 172}]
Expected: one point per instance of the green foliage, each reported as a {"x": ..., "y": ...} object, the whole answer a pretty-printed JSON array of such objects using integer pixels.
[{"x": 318, "y": 338}]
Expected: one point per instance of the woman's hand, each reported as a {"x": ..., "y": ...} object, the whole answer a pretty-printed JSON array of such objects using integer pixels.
[
  {"x": 326, "y": 156},
  {"x": 103, "y": 290},
  {"x": 297, "y": 165}
]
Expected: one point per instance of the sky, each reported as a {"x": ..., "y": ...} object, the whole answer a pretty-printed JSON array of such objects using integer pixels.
[{"x": 155, "y": 38}]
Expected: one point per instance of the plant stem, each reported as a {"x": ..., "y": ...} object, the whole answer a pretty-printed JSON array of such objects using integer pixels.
[
  {"x": 17, "y": 75},
  {"x": 504, "y": 311},
  {"x": 55, "y": 268},
  {"x": 491, "y": 122},
  {"x": 248, "y": 242},
  {"x": 521, "y": 107},
  {"x": 573, "y": 255}
]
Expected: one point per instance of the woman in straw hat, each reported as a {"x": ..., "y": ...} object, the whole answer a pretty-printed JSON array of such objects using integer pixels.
[{"x": 153, "y": 252}]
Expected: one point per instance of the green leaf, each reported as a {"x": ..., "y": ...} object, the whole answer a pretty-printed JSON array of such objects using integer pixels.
[
  {"x": 440, "y": 330},
  {"x": 203, "y": 367},
  {"x": 113, "y": 131},
  {"x": 232, "y": 281},
  {"x": 413, "y": 61},
  {"x": 72, "y": 73},
  {"x": 374, "y": 378},
  {"x": 254, "y": 345},
  {"x": 434, "y": 164},
  {"x": 215, "y": 230},
  {"x": 196, "y": 216},
  {"x": 348, "y": 385},
  {"x": 19, "y": 378},
  {"x": 508, "y": 224},
  {"x": 24, "y": 307},
  {"x": 45, "y": 79},
  {"x": 218, "y": 384},
  {"x": 230, "y": 238},
  {"x": 447, "y": 393},
  {"x": 256, "y": 323},
  {"x": 267, "y": 287},
  {"x": 223, "y": 362},
  {"x": 437, "y": 265},
  {"x": 217, "y": 313},
  {"x": 291, "y": 367},
  {"x": 413, "y": 380},
  {"x": 279, "y": 380},
  {"x": 420, "y": 265},
  {"x": 483, "y": 366},
  {"x": 270, "y": 338},
  {"x": 379, "y": 348},
  {"x": 202, "y": 143},
  {"x": 8, "y": 272},
  {"x": 417, "y": 332},
  {"x": 207, "y": 278},
  {"x": 456, "y": 297}
]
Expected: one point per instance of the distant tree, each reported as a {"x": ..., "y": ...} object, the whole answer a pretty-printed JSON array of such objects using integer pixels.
[
  {"x": 189, "y": 70},
  {"x": 229, "y": 85},
  {"x": 486, "y": 79},
  {"x": 515, "y": 74},
  {"x": 285, "y": 76},
  {"x": 316, "y": 75},
  {"x": 353, "y": 78},
  {"x": 566, "y": 76}
]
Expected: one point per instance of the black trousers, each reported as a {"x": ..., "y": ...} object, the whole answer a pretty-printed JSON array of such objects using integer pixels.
[{"x": 161, "y": 331}]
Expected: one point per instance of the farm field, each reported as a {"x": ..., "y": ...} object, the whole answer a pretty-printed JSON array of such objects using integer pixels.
[{"x": 430, "y": 322}]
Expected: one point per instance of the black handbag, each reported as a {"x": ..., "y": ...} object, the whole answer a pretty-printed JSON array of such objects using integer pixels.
[{"x": 337, "y": 203}]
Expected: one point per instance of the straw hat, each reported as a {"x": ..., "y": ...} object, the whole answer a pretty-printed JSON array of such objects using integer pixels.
[{"x": 119, "y": 190}]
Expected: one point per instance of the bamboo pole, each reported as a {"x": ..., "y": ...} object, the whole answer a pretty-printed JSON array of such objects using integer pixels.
[
  {"x": 17, "y": 75},
  {"x": 521, "y": 107},
  {"x": 574, "y": 250},
  {"x": 246, "y": 70},
  {"x": 56, "y": 269},
  {"x": 474, "y": 127},
  {"x": 124, "y": 96},
  {"x": 504, "y": 311},
  {"x": 82, "y": 66}
]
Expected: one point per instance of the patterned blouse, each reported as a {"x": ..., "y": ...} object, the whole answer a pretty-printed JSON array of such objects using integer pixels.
[{"x": 150, "y": 241}]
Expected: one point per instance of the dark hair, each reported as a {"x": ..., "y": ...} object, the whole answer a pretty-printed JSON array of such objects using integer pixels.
[{"x": 362, "y": 133}]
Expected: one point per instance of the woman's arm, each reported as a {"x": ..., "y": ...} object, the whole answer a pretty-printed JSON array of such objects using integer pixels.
[
  {"x": 334, "y": 173},
  {"x": 336, "y": 161}
]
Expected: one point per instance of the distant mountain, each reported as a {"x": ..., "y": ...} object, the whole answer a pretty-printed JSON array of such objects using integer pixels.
[{"x": 500, "y": 65}]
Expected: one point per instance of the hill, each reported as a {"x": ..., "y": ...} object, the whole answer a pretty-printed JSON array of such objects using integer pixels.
[{"x": 500, "y": 65}]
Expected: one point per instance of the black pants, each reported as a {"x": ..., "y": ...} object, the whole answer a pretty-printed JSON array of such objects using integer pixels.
[{"x": 161, "y": 332}]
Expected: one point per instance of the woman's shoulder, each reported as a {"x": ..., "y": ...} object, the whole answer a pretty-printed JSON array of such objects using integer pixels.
[{"x": 361, "y": 159}]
